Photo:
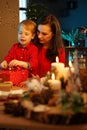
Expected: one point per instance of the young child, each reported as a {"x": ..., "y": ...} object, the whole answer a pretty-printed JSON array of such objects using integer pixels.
[{"x": 24, "y": 53}]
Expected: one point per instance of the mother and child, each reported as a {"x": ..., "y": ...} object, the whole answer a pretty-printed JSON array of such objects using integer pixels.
[{"x": 37, "y": 47}]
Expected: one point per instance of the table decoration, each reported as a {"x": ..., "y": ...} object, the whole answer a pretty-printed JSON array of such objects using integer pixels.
[{"x": 60, "y": 100}]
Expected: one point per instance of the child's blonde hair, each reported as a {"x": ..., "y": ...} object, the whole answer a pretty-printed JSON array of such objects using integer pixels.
[{"x": 29, "y": 25}]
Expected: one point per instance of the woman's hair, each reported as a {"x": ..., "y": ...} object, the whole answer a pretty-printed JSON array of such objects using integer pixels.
[
  {"x": 29, "y": 25},
  {"x": 56, "y": 41}
]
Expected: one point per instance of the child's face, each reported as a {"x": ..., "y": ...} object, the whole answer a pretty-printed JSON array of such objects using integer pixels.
[{"x": 24, "y": 36}]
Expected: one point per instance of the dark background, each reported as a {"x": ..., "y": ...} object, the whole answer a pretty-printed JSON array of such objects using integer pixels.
[{"x": 71, "y": 13}]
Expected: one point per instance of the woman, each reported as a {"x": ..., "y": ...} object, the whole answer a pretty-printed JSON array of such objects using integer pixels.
[{"x": 49, "y": 43}]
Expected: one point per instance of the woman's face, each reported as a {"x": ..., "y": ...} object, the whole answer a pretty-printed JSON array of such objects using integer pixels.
[{"x": 44, "y": 34}]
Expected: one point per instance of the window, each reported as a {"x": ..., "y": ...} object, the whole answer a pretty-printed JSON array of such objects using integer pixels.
[{"x": 22, "y": 11}]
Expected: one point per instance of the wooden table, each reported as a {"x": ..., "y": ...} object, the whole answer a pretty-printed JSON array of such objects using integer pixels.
[{"x": 8, "y": 121}]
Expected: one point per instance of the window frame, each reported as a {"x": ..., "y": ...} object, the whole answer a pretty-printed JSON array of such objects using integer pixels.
[{"x": 22, "y": 10}]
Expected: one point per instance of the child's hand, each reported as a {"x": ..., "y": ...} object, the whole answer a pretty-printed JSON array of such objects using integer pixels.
[
  {"x": 4, "y": 64},
  {"x": 14, "y": 63}
]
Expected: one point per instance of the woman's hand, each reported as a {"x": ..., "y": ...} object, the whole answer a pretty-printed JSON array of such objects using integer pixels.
[{"x": 35, "y": 76}]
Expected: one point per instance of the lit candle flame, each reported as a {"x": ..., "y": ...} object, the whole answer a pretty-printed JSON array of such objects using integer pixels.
[
  {"x": 57, "y": 59},
  {"x": 70, "y": 63},
  {"x": 53, "y": 76}
]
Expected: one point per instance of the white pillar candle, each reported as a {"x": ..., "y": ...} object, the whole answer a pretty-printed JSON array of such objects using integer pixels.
[
  {"x": 57, "y": 65},
  {"x": 57, "y": 68},
  {"x": 66, "y": 73},
  {"x": 54, "y": 84}
]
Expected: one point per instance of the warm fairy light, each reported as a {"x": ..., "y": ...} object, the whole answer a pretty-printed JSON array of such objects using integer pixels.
[
  {"x": 53, "y": 76},
  {"x": 57, "y": 59}
]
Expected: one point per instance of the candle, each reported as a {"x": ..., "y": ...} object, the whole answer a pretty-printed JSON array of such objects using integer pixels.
[
  {"x": 57, "y": 64},
  {"x": 57, "y": 68},
  {"x": 66, "y": 73},
  {"x": 53, "y": 83}
]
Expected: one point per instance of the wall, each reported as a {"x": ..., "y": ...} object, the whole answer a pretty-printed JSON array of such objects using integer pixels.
[
  {"x": 9, "y": 18},
  {"x": 77, "y": 17},
  {"x": 55, "y": 7},
  {"x": 69, "y": 19}
]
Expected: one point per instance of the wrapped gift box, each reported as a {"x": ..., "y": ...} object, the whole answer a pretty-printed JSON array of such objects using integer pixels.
[{"x": 14, "y": 75}]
